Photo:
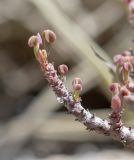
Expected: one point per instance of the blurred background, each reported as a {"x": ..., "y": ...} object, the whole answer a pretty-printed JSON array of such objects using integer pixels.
[{"x": 33, "y": 126}]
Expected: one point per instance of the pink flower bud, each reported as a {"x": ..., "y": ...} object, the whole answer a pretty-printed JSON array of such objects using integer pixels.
[
  {"x": 114, "y": 87},
  {"x": 118, "y": 59},
  {"x": 77, "y": 81},
  {"x": 128, "y": 66},
  {"x": 124, "y": 91},
  {"x": 63, "y": 69},
  {"x": 77, "y": 84},
  {"x": 49, "y": 35},
  {"x": 32, "y": 41},
  {"x": 77, "y": 87},
  {"x": 116, "y": 104}
]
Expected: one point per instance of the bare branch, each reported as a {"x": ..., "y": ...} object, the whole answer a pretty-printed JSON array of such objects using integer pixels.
[
  {"x": 92, "y": 122},
  {"x": 72, "y": 101}
]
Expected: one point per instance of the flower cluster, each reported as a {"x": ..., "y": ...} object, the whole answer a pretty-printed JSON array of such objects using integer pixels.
[
  {"x": 124, "y": 89},
  {"x": 124, "y": 66},
  {"x": 41, "y": 45},
  {"x": 39, "y": 41}
]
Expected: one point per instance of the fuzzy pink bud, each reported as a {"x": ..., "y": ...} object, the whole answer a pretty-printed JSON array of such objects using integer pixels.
[
  {"x": 77, "y": 84},
  {"x": 114, "y": 87},
  {"x": 124, "y": 91},
  {"x": 32, "y": 41},
  {"x": 78, "y": 87},
  {"x": 118, "y": 59},
  {"x": 116, "y": 104},
  {"x": 128, "y": 66},
  {"x": 49, "y": 35},
  {"x": 63, "y": 69}
]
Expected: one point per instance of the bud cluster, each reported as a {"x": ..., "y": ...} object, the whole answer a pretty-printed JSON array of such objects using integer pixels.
[
  {"x": 44, "y": 40},
  {"x": 38, "y": 42},
  {"x": 124, "y": 66},
  {"x": 123, "y": 91}
]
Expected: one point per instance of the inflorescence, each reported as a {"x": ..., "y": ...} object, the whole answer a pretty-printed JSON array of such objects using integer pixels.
[{"x": 122, "y": 90}]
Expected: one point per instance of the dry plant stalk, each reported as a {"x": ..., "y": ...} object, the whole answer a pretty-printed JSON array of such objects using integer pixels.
[{"x": 122, "y": 91}]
